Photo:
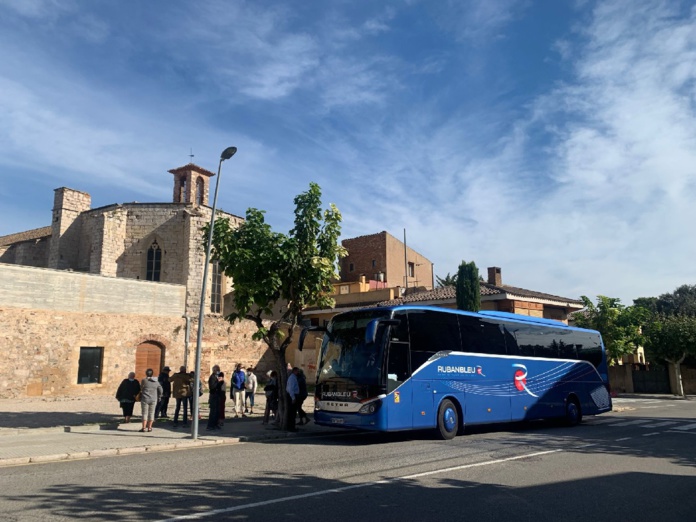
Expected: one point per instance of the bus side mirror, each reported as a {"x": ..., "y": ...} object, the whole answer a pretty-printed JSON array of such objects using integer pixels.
[
  {"x": 303, "y": 334},
  {"x": 371, "y": 330}
]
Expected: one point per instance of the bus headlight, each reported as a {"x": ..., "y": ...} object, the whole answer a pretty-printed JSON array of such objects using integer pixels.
[{"x": 370, "y": 407}]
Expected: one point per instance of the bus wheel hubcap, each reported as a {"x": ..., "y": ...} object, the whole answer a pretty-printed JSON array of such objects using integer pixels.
[{"x": 449, "y": 419}]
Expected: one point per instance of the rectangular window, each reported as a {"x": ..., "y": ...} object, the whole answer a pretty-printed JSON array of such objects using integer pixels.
[
  {"x": 89, "y": 370},
  {"x": 374, "y": 263},
  {"x": 216, "y": 289},
  {"x": 351, "y": 267},
  {"x": 411, "y": 270}
]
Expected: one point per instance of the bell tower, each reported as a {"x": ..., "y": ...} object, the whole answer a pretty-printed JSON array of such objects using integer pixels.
[{"x": 191, "y": 184}]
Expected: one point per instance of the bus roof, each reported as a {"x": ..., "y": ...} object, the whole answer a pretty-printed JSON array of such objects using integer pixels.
[{"x": 507, "y": 316}]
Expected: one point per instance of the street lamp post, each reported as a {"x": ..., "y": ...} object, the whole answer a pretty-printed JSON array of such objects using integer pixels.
[{"x": 226, "y": 154}]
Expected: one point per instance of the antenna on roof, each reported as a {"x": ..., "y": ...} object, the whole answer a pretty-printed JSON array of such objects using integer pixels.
[{"x": 191, "y": 156}]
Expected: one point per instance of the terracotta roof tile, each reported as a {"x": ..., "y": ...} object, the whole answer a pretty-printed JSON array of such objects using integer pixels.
[
  {"x": 191, "y": 166},
  {"x": 450, "y": 292},
  {"x": 29, "y": 235}
]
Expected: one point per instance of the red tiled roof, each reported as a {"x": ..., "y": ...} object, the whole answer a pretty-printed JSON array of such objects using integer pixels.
[
  {"x": 191, "y": 166},
  {"x": 487, "y": 289},
  {"x": 29, "y": 235}
]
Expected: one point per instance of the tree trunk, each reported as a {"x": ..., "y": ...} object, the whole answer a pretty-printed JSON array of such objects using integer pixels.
[
  {"x": 282, "y": 394},
  {"x": 677, "y": 375}
]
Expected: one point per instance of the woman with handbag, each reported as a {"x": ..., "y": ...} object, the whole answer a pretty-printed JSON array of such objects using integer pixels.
[{"x": 126, "y": 395}]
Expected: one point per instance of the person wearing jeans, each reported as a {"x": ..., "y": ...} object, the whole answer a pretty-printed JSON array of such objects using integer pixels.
[{"x": 182, "y": 384}]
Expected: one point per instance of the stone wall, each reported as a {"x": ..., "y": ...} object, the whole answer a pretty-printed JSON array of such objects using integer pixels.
[
  {"x": 60, "y": 290},
  {"x": 68, "y": 206},
  {"x": 41, "y": 348},
  {"x": 29, "y": 253}
]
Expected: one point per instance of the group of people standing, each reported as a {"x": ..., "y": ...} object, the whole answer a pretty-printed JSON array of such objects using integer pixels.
[
  {"x": 154, "y": 394},
  {"x": 148, "y": 392},
  {"x": 243, "y": 385}
]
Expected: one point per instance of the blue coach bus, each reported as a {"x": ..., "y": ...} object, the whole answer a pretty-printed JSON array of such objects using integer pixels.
[{"x": 416, "y": 367}]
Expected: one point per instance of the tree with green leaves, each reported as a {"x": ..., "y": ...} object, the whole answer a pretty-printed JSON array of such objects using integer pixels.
[
  {"x": 294, "y": 270},
  {"x": 448, "y": 280},
  {"x": 671, "y": 338},
  {"x": 680, "y": 302},
  {"x": 619, "y": 325},
  {"x": 468, "y": 287}
]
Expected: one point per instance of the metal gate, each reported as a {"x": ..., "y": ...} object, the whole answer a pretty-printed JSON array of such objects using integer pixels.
[{"x": 654, "y": 381}]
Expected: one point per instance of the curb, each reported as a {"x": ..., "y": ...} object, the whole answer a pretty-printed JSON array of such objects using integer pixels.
[{"x": 151, "y": 448}]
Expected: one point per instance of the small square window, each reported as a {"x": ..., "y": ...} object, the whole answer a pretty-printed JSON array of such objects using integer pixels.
[{"x": 89, "y": 370}]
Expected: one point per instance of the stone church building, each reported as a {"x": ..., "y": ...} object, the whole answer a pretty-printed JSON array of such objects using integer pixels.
[{"x": 104, "y": 291}]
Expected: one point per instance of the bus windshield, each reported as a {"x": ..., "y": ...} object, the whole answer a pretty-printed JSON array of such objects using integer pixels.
[{"x": 346, "y": 357}]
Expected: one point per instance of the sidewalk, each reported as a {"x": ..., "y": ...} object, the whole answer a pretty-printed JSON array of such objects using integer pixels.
[{"x": 52, "y": 429}]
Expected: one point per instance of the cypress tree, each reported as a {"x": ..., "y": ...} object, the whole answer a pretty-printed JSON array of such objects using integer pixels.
[{"x": 468, "y": 288}]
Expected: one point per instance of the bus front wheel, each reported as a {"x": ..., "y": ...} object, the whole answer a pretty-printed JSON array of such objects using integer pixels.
[
  {"x": 573, "y": 414},
  {"x": 447, "y": 420}
]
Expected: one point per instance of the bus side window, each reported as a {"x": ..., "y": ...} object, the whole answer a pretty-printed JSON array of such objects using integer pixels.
[
  {"x": 430, "y": 333},
  {"x": 397, "y": 366},
  {"x": 528, "y": 341},
  {"x": 591, "y": 350},
  {"x": 510, "y": 342},
  {"x": 493, "y": 338}
]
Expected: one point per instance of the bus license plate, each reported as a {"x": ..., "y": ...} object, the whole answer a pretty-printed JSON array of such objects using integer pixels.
[{"x": 337, "y": 421}]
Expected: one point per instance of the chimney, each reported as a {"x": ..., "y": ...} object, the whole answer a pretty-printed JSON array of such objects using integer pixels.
[{"x": 494, "y": 276}]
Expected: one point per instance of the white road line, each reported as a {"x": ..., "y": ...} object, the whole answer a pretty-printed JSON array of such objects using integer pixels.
[
  {"x": 651, "y": 434},
  {"x": 660, "y": 424},
  {"x": 630, "y": 423},
  {"x": 292, "y": 498},
  {"x": 625, "y": 438},
  {"x": 686, "y": 427}
]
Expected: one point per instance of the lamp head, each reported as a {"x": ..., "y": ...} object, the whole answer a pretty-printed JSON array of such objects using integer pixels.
[{"x": 228, "y": 153}]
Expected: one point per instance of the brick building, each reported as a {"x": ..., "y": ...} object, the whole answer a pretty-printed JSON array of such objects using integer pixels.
[{"x": 381, "y": 257}]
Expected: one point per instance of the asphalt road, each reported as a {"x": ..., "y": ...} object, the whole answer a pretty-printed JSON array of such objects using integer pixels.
[{"x": 638, "y": 464}]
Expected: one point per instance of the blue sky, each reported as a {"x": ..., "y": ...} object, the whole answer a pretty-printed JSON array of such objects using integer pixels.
[{"x": 554, "y": 139}]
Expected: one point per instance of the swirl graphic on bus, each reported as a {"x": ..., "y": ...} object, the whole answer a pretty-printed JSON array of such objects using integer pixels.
[{"x": 521, "y": 379}]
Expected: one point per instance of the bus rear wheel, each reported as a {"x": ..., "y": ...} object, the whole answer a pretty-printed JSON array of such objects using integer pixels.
[
  {"x": 447, "y": 420},
  {"x": 573, "y": 413}
]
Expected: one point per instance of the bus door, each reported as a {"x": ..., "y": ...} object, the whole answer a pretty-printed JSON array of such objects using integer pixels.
[{"x": 399, "y": 388}]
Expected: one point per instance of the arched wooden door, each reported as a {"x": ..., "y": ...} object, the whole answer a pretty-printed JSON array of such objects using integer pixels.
[{"x": 147, "y": 355}]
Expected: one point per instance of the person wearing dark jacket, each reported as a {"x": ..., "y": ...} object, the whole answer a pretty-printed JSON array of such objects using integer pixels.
[
  {"x": 214, "y": 382},
  {"x": 301, "y": 397},
  {"x": 125, "y": 395},
  {"x": 161, "y": 409}
]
